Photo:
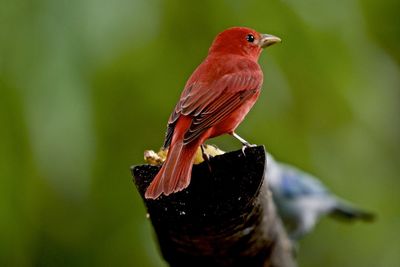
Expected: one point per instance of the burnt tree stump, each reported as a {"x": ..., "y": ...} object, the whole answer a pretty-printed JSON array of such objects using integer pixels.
[{"x": 226, "y": 217}]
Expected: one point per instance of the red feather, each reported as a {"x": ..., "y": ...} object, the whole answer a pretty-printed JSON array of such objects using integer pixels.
[{"x": 216, "y": 98}]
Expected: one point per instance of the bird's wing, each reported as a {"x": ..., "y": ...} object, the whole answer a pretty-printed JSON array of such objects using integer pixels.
[
  {"x": 208, "y": 104},
  {"x": 296, "y": 183}
]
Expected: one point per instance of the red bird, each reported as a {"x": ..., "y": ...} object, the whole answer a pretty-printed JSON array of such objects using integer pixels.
[{"x": 216, "y": 98}]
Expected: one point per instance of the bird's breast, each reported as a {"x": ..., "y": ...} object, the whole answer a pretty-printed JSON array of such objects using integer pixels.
[{"x": 232, "y": 121}]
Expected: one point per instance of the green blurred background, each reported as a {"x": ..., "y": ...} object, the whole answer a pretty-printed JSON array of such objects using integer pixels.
[{"x": 87, "y": 86}]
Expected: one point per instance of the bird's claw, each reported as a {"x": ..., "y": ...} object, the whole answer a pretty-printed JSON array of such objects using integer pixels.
[
  {"x": 244, "y": 142},
  {"x": 247, "y": 145},
  {"x": 206, "y": 157}
]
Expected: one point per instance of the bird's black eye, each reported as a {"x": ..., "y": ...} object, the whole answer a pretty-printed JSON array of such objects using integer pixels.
[{"x": 250, "y": 38}]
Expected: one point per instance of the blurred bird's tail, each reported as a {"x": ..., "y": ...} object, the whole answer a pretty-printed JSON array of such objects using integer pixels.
[{"x": 347, "y": 212}]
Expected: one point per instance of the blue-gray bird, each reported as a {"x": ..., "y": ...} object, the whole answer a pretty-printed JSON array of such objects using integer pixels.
[{"x": 301, "y": 199}]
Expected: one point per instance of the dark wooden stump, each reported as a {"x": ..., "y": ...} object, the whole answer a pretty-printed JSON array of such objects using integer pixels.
[{"x": 226, "y": 216}]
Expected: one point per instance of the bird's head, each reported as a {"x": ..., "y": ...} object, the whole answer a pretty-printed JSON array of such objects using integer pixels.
[{"x": 242, "y": 41}]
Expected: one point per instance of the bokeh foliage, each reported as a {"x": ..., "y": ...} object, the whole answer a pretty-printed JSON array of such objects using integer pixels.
[{"x": 86, "y": 86}]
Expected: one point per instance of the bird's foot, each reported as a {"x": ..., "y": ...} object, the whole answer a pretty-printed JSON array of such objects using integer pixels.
[
  {"x": 247, "y": 145},
  {"x": 243, "y": 141},
  {"x": 206, "y": 157}
]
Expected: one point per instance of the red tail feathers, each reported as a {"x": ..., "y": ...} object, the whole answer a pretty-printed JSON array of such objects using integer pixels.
[{"x": 176, "y": 172}]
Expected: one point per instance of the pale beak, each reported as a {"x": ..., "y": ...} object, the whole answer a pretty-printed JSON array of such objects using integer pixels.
[{"x": 268, "y": 39}]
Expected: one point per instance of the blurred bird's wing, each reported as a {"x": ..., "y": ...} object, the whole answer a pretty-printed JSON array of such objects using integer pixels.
[
  {"x": 295, "y": 183},
  {"x": 209, "y": 104},
  {"x": 302, "y": 199}
]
